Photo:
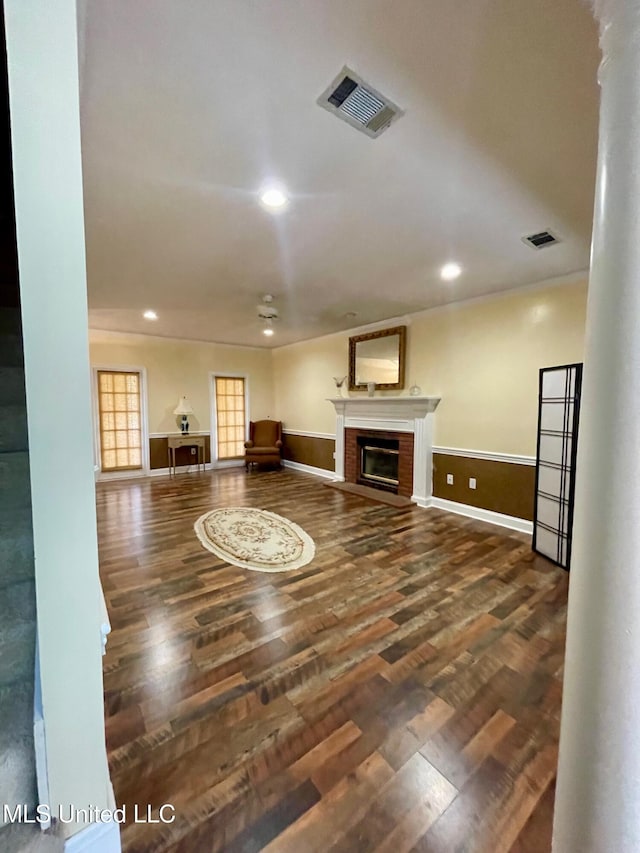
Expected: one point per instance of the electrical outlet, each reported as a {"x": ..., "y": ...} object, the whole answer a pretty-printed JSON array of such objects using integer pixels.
[
  {"x": 193, "y": 451},
  {"x": 449, "y": 479},
  {"x": 472, "y": 482}
]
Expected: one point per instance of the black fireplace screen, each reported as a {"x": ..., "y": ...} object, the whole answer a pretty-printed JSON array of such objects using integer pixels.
[{"x": 380, "y": 464}]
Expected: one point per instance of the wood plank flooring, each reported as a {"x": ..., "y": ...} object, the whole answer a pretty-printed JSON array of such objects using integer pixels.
[{"x": 400, "y": 693}]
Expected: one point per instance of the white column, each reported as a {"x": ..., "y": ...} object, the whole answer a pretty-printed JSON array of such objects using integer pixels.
[
  {"x": 45, "y": 130},
  {"x": 423, "y": 459},
  {"x": 339, "y": 442},
  {"x": 598, "y": 792},
  {"x": 421, "y": 454}
]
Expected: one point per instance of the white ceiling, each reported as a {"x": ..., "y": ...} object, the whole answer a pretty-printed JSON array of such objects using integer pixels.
[{"x": 189, "y": 109}]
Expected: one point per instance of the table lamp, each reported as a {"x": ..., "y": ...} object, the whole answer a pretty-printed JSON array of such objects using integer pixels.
[{"x": 184, "y": 408}]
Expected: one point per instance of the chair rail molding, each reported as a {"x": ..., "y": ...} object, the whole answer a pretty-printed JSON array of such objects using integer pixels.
[
  {"x": 392, "y": 414},
  {"x": 489, "y": 455}
]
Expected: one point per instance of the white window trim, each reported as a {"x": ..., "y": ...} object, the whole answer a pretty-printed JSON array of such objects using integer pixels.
[
  {"x": 144, "y": 413},
  {"x": 213, "y": 435}
]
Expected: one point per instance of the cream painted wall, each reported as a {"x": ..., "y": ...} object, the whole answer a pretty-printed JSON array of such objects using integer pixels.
[
  {"x": 176, "y": 368},
  {"x": 303, "y": 380},
  {"x": 481, "y": 357}
]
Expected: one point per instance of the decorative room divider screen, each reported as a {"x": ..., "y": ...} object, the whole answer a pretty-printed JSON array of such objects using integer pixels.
[{"x": 558, "y": 416}]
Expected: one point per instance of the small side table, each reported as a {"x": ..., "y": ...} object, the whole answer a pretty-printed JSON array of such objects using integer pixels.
[{"x": 174, "y": 441}]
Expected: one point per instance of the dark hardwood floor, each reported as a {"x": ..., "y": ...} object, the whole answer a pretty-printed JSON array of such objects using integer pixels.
[{"x": 400, "y": 693}]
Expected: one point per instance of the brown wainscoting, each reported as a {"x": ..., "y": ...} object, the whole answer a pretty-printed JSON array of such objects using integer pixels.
[
  {"x": 309, "y": 450},
  {"x": 159, "y": 453},
  {"x": 505, "y": 487}
]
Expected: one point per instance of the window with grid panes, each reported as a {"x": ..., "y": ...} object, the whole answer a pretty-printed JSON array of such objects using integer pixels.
[
  {"x": 230, "y": 413},
  {"x": 120, "y": 420}
]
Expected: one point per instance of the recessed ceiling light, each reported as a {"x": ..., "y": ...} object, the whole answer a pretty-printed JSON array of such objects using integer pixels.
[
  {"x": 150, "y": 315},
  {"x": 274, "y": 199},
  {"x": 268, "y": 331},
  {"x": 450, "y": 271}
]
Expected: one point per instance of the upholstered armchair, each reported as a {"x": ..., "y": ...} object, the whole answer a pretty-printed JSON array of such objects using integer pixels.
[{"x": 265, "y": 443}]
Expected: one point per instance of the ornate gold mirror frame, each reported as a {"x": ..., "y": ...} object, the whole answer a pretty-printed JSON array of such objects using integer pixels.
[{"x": 398, "y": 353}]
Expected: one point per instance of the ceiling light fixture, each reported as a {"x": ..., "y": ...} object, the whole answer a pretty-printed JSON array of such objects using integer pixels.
[
  {"x": 267, "y": 312},
  {"x": 274, "y": 198},
  {"x": 268, "y": 327},
  {"x": 450, "y": 271},
  {"x": 150, "y": 315}
]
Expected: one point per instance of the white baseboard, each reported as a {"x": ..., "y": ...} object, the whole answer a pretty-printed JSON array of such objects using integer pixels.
[
  {"x": 510, "y": 521},
  {"x": 95, "y": 838},
  {"x": 105, "y": 624},
  {"x": 152, "y": 472},
  {"x": 180, "y": 469},
  {"x": 40, "y": 739},
  {"x": 423, "y": 503},
  {"x": 309, "y": 469},
  {"x": 106, "y": 476},
  {"x": 193, "y": 468}
]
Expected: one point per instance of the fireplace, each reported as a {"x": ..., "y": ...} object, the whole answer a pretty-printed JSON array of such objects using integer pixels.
[
  {"x": 391, "y": 471},
  {"x": 379, "y": 458},
  {"x": 406, "y": 420}
]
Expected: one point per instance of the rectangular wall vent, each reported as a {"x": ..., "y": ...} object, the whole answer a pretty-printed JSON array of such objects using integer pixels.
[
  {"x": 359, "y": 104},
  {"x": 540, "y": 240}
]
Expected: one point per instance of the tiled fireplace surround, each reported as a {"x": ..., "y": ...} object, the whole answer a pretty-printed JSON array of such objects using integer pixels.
[{"x": 409, "y": 420}]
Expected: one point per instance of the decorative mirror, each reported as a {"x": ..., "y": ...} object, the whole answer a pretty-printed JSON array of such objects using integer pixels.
[{"x": 377, "y": 357}]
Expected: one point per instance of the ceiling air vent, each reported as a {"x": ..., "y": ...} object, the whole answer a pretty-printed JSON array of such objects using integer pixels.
[
  {"x": 359, "y": 104},
  {"x": 540, "y": 240}
]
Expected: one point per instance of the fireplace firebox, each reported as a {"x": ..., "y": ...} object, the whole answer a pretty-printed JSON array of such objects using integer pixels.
[{"x": 379, "y": 458}]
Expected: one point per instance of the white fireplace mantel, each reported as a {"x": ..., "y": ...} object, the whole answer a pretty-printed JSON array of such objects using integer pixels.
[{"x": 392, "y": 414}]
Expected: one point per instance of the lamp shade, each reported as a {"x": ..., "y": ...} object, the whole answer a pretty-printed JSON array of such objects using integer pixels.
[{"x": 183, "y": 407}]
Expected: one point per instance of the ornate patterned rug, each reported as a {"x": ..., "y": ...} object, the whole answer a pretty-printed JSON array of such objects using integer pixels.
[{"x": 255, "y": 539}]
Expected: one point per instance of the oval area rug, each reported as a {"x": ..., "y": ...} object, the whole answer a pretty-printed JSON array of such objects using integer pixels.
[{"x": 255, "y": 539}]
